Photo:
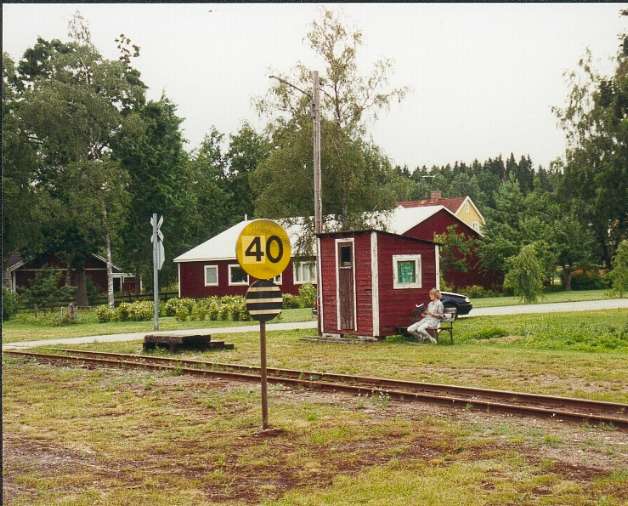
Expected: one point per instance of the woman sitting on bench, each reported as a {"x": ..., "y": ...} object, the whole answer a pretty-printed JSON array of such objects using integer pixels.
[{"x": 431, "y": 318}]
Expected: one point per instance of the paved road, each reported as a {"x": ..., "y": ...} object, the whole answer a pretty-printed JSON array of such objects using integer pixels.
[
  {"x": 590, "y": 305},
  {"x": 132, "y": 336},
  {"x": 555, "y": 307}
]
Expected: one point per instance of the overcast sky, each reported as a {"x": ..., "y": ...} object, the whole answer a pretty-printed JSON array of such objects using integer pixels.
[{"x": 483, "y": 78}]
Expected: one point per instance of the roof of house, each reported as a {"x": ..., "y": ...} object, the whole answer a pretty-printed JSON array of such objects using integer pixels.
[
  {"x": 16, "y": 261},
  {"x": 222, "y": 246},
  {"x": 453, "y": 203}
]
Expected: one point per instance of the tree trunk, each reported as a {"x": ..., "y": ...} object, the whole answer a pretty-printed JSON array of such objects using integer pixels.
[
  {"x": 566, "y": 276},
  {"x": 81, "y": 293},
  {"x": 110, "y": 300},
  {"x": 68, "y": 275}
]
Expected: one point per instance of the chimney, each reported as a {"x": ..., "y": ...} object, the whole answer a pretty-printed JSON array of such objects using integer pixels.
[{"x": 436, "y": 195}]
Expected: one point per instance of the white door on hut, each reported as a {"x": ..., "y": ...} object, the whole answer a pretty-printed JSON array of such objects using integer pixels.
[{"x": 345, "y": 284}]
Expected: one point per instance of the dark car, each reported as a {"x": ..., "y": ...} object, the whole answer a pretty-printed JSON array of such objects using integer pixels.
[{"x": 460, "y": 302}]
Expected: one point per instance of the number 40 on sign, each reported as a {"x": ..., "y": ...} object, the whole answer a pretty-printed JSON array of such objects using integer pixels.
[{"x": 263, "y": 249}]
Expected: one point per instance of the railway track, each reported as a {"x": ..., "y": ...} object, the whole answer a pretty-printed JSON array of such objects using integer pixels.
[{"x": 560, "y": 408}]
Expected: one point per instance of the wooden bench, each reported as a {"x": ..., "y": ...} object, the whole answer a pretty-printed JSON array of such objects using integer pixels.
[{"x": 447, "y": 324}]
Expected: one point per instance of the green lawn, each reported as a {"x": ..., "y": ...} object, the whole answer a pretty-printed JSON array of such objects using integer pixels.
[
  {"x": 119, "y": 437},
  {"x": 574, "y": 354},
  {"x": 23, "y": 326},
  {"x": 565, "y": 296}
]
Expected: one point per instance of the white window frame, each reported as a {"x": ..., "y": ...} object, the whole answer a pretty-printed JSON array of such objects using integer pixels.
[
  {"x": 205, "y": 267},
  {"x": 240, "y": 283},
  {"x": 417, "y": 269},
  {"x": 294, "y": 272}
]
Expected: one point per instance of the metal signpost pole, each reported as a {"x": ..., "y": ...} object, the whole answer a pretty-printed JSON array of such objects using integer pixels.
[
  {"x": 262, "y": 349},
  {"x": 263, "y": 251},
  {"x": 155, "y": 274}
]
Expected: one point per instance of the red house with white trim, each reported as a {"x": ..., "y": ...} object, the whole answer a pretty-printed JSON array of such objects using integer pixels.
[
  {"x": 211, "y": 268},
  {"x": 372, "y": 280}
]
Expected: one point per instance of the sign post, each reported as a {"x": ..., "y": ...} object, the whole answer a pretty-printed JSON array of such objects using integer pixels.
[
  {"x": 263, "y": 251},
  {"x": 159, "y": 257}
]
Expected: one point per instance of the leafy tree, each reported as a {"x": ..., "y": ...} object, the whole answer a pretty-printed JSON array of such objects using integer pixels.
[
  {"x": 455, "y": 250},
  {"x": 596, "y": 160},
  {"x": 69, "y": 105},
  {"x": 247, "y": 149},
  {"x": 19, "y": 163},
  {"x": 354, "y": 172},
  {"x": 502, "y": 234},
  {"x": 525, "y": 274},
  {"x": 573, "y": 243},
  {"x": 619, "y": 274},
  {"x": 208, "y": 190},
  {"x": 150, "y": 148}
]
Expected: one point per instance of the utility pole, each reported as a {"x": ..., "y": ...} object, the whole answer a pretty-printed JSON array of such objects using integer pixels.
[
  {"x": 318, "y": 206},
  {"x": 318, "y": 219},
  {"x": 316, "y": 113}
]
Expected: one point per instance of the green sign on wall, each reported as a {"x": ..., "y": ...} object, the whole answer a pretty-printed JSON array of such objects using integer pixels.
[{"x": 406, "y": 271}]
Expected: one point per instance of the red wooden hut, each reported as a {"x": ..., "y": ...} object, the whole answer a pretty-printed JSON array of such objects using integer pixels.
[{"x": 372, "y": 280}]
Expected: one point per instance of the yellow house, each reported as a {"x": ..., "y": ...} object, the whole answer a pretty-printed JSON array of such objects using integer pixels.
[{"x": 462, "y": 207}]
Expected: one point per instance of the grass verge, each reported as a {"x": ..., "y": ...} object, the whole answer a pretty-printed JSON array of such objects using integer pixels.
[
  {"x": 24, "y": 328},
  {"x": 547, "y": 298},
  {"x": 109, "y": 437}
]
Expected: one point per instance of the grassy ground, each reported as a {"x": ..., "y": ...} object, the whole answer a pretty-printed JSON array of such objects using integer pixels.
[
  {"x": 112, "y": 437},
  {"x": 574, "y": 354},
  {"x": 24, "y": 327},
  {"x": 550, "y": 297}
]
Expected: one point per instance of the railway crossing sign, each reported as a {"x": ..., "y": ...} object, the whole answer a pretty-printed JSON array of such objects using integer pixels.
[
  {"x": 263, "y": 300},
  {"x": 263, "y": 249}
]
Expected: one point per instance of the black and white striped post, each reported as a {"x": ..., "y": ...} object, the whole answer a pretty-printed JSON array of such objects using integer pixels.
[{"x": 264, "y": 302}]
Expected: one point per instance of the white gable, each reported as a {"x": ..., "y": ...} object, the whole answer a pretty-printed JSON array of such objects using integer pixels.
[{"x": 222, "y": 246}]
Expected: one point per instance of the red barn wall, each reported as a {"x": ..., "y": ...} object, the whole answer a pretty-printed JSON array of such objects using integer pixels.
[
  {"x": 397, "y": 304},
  {"x": 437, "y": 224},
  {"x": 363, "y": 284},
  {"x": 192, "y": 280}
]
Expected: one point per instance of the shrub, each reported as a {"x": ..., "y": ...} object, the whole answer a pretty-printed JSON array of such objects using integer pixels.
[
  {"x": 618, "y": 276},
  {"x": 105, "y": 314},
  {"x": 9, "y": 304},
  {"x": 45, "y": 291},
  {"x": 140, "y": 310},
  {"x": 290, "y": 301},
  {"x": 587, "y": 280},
  {"x": 490, "y": 332},
  {"x": 172, "y": 305},
  {"x": 181, "y": 314},
  {"x": 525, "y": 274},
  {"x": 307, "y": 294},
  {"x": 477, "y": 292},
  {"x": 122, "y": 311}
]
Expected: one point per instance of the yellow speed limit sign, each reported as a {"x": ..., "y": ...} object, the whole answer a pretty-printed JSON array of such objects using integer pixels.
[{"x": 263, "y": 249}]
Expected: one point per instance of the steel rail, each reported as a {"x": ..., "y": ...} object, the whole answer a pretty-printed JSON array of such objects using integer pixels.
[
  {"x": 582, "y": 404},
  {"x": 610, "y": 413}
]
